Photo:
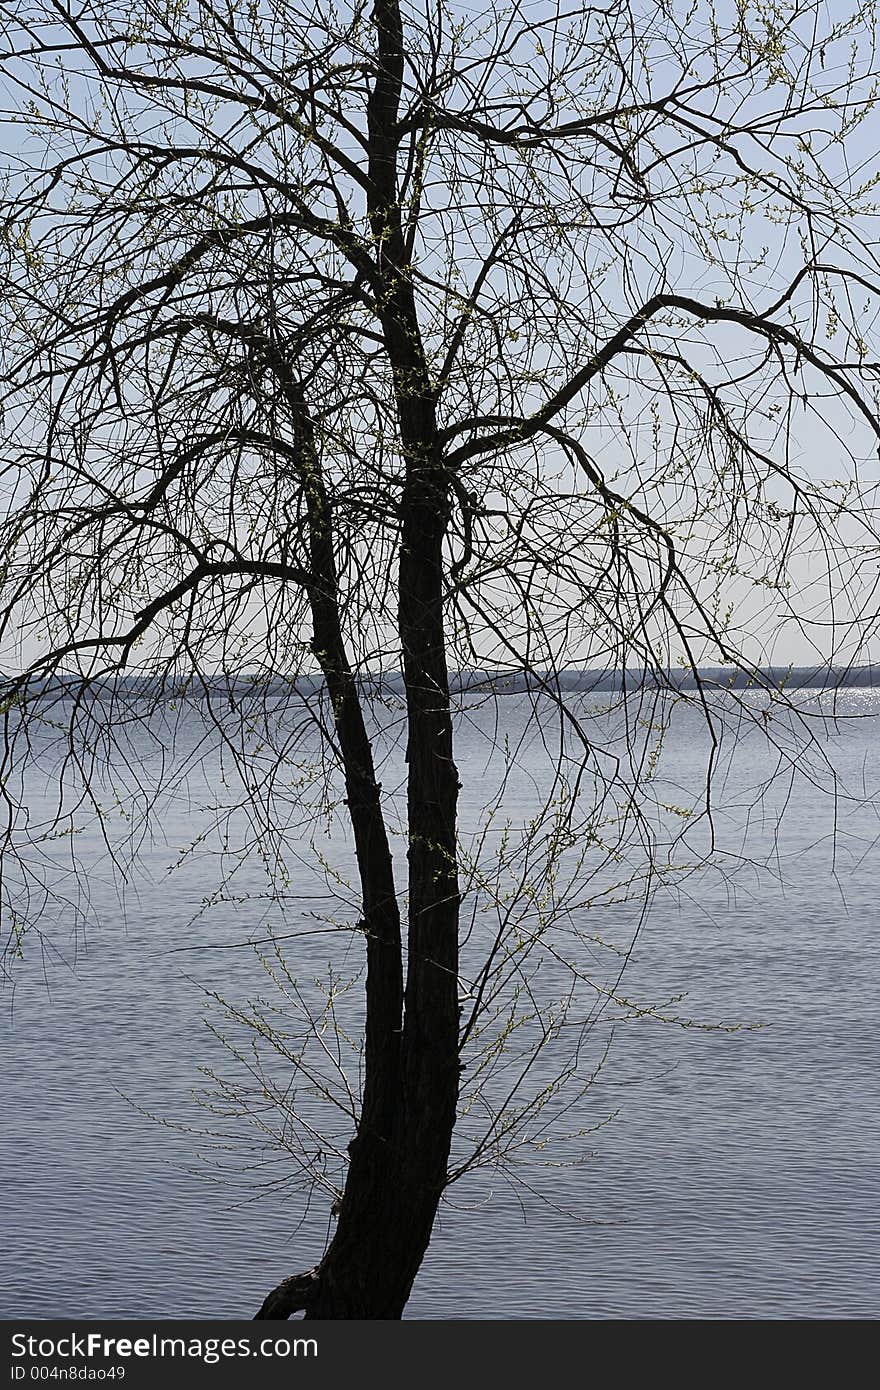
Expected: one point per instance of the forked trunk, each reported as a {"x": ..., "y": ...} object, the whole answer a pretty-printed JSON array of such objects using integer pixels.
[{"x": 400, "y": 1155}]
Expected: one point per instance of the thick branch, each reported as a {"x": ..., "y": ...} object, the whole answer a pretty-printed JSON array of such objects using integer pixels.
[
  {"x": 288, "y": 1297},
  {"x": 758, "y": 324}
]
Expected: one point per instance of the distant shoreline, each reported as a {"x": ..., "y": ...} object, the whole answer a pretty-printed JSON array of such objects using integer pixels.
[{"x": 572, "y": 680}]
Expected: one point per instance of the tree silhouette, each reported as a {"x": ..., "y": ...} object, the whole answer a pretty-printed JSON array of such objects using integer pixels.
[{"x": 341, "y": 341}]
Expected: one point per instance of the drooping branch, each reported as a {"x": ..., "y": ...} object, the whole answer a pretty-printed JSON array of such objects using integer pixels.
[
  {"x": 759, "y": 324},
  {"x": 124, "y": 641},
  {"x": 260, "y": 100}
]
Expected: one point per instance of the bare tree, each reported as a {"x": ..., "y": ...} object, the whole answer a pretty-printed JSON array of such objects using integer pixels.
[{"x": 342, "y": 341}]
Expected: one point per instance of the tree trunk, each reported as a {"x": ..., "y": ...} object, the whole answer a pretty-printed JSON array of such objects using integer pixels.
[{"x": 399, "y": 1157}]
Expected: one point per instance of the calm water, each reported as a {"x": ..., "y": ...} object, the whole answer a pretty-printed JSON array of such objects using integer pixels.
[{"x": 738, "y": 1179}]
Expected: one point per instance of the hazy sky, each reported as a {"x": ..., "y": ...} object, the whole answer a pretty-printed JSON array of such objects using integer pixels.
[{"x": 822, "y": 433}]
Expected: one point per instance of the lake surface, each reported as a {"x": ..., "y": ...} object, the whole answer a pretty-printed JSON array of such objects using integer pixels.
[{"x": 739, "y": 1178}]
